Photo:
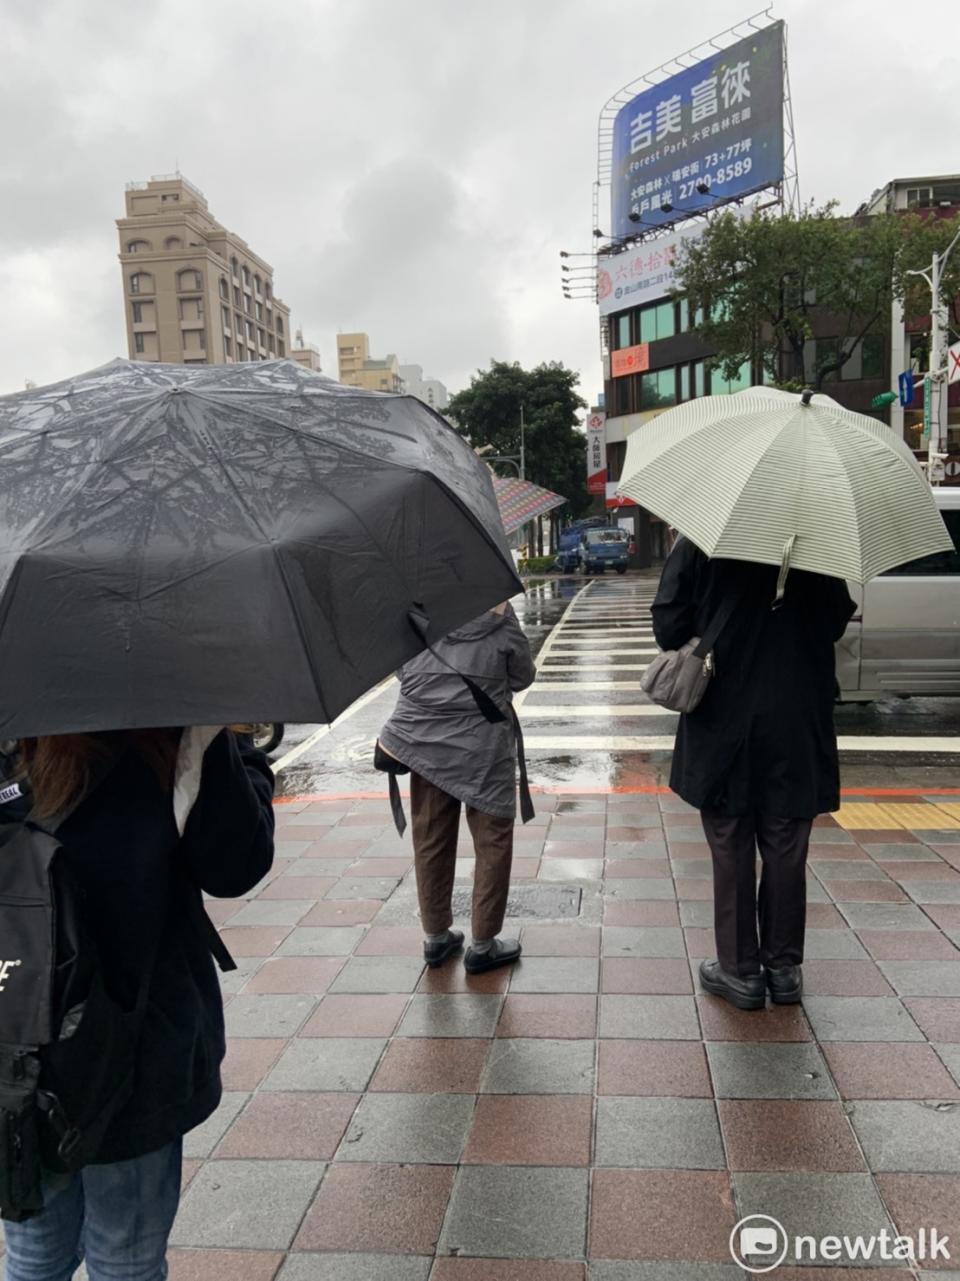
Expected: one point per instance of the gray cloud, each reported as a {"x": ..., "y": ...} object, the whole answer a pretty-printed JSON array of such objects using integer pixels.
[{"x": 410, "y": 168}]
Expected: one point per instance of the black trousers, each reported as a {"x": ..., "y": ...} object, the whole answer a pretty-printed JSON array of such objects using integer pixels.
[{"x": 780, "y": 907}]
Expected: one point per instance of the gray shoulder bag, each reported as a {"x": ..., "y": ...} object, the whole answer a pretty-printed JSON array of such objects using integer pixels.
[{"x": 678, "y": 678}]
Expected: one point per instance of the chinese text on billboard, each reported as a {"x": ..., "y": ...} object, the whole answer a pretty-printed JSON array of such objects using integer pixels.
[{"x": 717, "y": 125}]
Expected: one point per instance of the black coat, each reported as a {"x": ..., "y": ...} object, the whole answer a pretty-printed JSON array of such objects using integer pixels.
[
  {"x": 762, "y": 740},
  {"x": 138, "y": 877}
]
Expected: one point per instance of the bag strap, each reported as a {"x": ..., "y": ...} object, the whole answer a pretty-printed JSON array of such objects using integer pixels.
[
  {"x": 718, "y": 623},
  {"x": 527, "y": 812}
]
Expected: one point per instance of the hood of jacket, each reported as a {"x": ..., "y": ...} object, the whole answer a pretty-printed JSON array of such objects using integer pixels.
[{"x": 477, "y": 628}]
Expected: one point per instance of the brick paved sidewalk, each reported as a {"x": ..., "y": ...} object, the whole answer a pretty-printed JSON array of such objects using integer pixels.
[{"x": 587, "y": 1115}]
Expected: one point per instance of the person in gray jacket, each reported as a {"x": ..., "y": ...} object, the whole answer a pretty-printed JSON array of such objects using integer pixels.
[{"x": 457, "y": 755}]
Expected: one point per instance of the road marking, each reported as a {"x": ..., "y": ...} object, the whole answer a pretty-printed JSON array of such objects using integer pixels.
[
  {"x": 597, "y": 667},
  {"x": 581, "y": 686},
  {"x": 544, "y": 652},
  {"x": 296, "y": 752},
  {"x": 657, "y": 743}
]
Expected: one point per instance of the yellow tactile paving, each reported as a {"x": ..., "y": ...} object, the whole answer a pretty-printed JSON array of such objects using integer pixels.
[{"x": 864, "y": 816}]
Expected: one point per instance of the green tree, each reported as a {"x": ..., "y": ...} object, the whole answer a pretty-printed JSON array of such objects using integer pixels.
[
  {"x": 759, "y": 282},
  {"x": 488, "y": 413}
]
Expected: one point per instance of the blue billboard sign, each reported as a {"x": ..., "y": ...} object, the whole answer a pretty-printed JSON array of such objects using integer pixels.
[{"x": 709, "y": 134}]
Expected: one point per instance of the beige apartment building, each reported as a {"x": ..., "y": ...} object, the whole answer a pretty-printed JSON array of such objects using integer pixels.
[
  {"x": 357, "y": 369},
  {"x": 193, "y": 292}
]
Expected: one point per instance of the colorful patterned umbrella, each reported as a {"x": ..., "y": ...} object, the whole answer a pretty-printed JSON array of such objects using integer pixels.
[{"x": 520, "y": 501}]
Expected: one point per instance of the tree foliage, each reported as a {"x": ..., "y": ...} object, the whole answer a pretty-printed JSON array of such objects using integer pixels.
[
  {"x": 488, "y": 413},
  {"x": 759, "y": 282}
]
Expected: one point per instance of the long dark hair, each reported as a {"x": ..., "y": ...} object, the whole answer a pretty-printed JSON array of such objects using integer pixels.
[{"x": 59, "y": 767}]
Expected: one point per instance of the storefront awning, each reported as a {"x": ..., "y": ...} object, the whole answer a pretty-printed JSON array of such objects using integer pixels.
[{"x": 520, "y": 501}]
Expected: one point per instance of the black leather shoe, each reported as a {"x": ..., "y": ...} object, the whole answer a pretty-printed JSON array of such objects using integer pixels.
[
  {"x": 745, "y": 993},
  {"x": 501, "y": 952},
  {"x": 785, "y": 984},
  {"x": 436, "y": 953}
]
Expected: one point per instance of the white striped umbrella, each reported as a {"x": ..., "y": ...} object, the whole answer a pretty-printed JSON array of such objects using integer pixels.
[{"x": 770, "y": 476}]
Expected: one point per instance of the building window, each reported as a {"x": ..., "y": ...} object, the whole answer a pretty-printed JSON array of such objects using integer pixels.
[
  {"x": 234, "y": 266},
  {"x": 236, "y": 297},
  {"x": 224, "y": 289},
  {"x": 188, "y": 280},
  {"x": 238, "y": 326},
  {"x": 720, "y": 386},
  {"x": 227, "y": 348},
  {"x": 872, "y": 356},
  {"x": 266, "y": 291},
  {"x": 138, "y": 343},
  {"x": 262, "y": 337},
  {"x": 621, "y": 331},
  {"x": 194, "y": 340},
  {"x": 139, "y": 247},
  {"x": 141, "y": 282},
  {"x": 191, "y": 308},
  {"x": 281, "y": 350},
  {"x": 246, "y": 277},
  {"x": 256, "y": 285},
  {"x": 169, "y": 196},
  {"x": 279, "y": 324},
  {"x": 225, "y": 313},
  {"x": 249, "y": 332},
  {"x": 699, "y": 379},
  {"x": 657, "y": 321},
  {"x": 247, "y": 304},
  {"x": 658, "y": 389},
  {"x": 259, "y": 310},
  {"x": 684, "y": 382},
  {"x": 919, "y": 197},
  {"x": 138, "y": 313},
  {"x": 173, "y": 242}
]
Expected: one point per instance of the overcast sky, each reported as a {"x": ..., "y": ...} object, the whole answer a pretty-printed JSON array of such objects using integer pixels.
[{"x": 409, "y": 167}]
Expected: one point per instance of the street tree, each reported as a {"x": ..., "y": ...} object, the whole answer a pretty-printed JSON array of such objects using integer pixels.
[
  {"x": 488, "y": 412},
  {"x": 759, "y": 282}
]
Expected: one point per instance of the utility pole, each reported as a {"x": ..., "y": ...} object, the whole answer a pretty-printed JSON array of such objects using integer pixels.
[{"x": 523, "y": 469}]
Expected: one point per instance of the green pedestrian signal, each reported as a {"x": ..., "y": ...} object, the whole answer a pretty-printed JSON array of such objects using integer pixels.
[{"x": 885, "y": 398}]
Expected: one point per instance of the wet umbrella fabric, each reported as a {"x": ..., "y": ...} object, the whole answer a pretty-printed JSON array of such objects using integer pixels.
[
  {"x": 761, "y": 475},
  {"x": 227, "y": 543}
]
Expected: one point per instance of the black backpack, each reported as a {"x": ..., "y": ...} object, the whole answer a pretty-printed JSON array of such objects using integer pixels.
[{"x": 68, "y": 1050}]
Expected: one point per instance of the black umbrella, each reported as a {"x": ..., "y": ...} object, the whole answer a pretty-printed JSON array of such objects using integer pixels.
[{"x": 207, "y": 545}]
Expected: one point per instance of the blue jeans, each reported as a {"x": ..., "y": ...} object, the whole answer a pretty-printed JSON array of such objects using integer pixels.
[{"x": 115, "y": 1218}]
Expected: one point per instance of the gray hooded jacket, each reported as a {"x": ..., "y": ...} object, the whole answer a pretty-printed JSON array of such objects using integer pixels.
[{"x": 438, "y": 731}]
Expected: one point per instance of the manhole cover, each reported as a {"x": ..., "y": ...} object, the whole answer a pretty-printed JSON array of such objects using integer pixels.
[{"x": 545, "y": 902}]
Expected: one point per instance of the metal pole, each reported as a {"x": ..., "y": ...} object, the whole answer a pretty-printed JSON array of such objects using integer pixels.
[
  {"x": 937, "y": 425},
  {"x": 523, "y": 470}
]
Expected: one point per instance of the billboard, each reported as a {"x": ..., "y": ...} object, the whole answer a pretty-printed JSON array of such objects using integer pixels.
[
  {"x": 630, "y": 360},
  {"x": 718, "y": 124},
  {"x": 596, "y": 453},
  {"x": 642, "y": 273}
]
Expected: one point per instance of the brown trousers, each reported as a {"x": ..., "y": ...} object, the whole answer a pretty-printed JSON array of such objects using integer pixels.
[
  {"x": 780, "y": 907},
  {"x": 436, "y": 825}
]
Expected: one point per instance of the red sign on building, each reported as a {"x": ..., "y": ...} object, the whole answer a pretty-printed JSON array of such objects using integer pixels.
[{"x": 630, "y": 360}]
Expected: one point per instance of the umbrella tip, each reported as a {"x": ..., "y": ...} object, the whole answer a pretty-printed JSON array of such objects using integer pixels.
[{"x": 806, "y": 396}]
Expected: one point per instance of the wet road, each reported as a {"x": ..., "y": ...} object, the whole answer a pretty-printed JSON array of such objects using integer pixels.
[{"x": 588, "y": 726}]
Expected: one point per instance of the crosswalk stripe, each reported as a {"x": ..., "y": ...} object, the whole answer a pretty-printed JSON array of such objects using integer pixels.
[
  {"x": 559, "y": 711},
  {"x": 658, "y": 743}
]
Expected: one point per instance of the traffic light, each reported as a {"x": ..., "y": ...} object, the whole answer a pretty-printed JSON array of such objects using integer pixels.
[{"x": 885, "y": 398}]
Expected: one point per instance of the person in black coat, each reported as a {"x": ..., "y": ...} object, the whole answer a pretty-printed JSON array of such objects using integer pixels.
[
  {"x": 142, "y": 883},
  {"x": 758, "y": 756}
]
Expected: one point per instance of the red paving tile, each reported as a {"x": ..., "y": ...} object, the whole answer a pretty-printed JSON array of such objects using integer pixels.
[
  {"x": 307, "y": 975},
  {"x": 330, "y": 838},
  {"x": 505, "y": 1270},
  {"x": 886, "y": 836},
  {"x": 319, "y": 850},
  {"x": 848, "y": 853},
  {"x": 635, "y": 834},
  {"x": 221, "y": 909},
  {"x": 694, "y": 889},
  {"x": 661, "y": 1214},
  {"x": 301, "y": 887},
  {"x": 525, "y": 869},
  {"x": 918, "y": 1201},
  {"x": 248, "y": 1061},
  {"x": 645, "y": 977},
  {"x": 671, "y": 1069},
  {"x": 573, "y": 849},
  {"x": 721, "y": 1022},
  {"x": 378, "y": 867},
  {"x": 844, "y": 978},
  {"x": 780, "y": 1134},
  {"x": 689, "y": 849},
  {"x": 908, "y": 945},
  {"x": 224, "y": 1265},
  {"x": 946, "y": 915},
  {"x": 343, "y": 912},
  {"x": 824, "y": 916},
  {"x": 638, "y": 912},
  {"x": 887, "y": 1071},
  {"x": 356, "y": 1015},
  {"x": 431, "y": 1065},
  {"x": 570, "y": 1016},
  {"x": 254, "y": 940},
  {"x": 452, "y": 977},
  {"x": 701, "y": 944},
  {"x": 383, "y": 1208},
  {"x": 937, "y": 1017},
  {"x": 922, "y": 871},
  {"x": 560, "y": 940},
  {"x": 531, "y": 1129},
  {"x": 291, "y": 1127}
]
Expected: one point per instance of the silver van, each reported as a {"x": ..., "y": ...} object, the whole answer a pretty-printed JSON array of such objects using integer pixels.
[{"x": 905, "y": 637}]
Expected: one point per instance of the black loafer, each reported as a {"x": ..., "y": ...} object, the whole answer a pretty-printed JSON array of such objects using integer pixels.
[
  {"x": 785, "y": 984},
  {"x": 501, "y": 952},
  {"x": 436, "y": 953},
  {"x": 745, "y": 993}
]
